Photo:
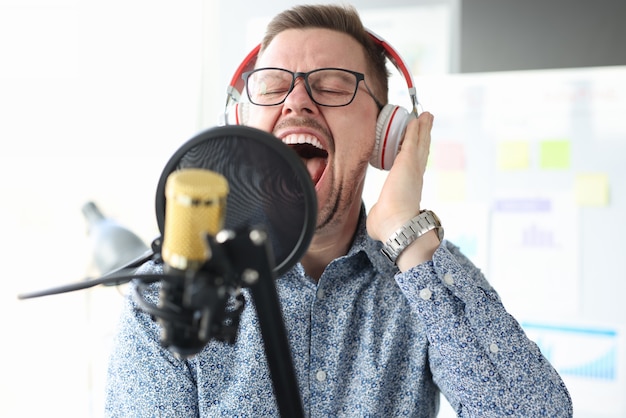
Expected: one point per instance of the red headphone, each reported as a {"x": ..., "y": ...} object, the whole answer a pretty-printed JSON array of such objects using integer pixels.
[{"x": 392, "y": 119}]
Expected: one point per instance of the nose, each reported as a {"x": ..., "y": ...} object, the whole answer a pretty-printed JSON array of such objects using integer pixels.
[{"x": 299, "y": 101}]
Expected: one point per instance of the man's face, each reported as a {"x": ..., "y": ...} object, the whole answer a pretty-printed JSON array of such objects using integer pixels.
[{"x": 345, "y": 134}]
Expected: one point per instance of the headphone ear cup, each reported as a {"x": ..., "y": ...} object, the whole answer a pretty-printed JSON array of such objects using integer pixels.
[
  {"x": 236, "y": 114},
  {"x": 390, "y": 128}
]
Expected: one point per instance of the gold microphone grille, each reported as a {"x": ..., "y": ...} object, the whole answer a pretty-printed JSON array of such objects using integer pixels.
[{"x": 195, "y": 206}]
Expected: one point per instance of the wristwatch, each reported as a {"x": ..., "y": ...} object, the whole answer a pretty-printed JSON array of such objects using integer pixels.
[{"x": 409, "y": 232}]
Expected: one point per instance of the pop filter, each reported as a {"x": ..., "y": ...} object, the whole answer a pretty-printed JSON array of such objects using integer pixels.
[{"x": 269, "y": 186}]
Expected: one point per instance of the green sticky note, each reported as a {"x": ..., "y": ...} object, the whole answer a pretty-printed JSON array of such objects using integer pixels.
[{"x": 555, "y": 154}]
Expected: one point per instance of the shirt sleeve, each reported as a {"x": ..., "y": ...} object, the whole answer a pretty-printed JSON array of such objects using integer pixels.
[
  {"x": 479, "y": 355},
  {"x": 143, "y": 378}
]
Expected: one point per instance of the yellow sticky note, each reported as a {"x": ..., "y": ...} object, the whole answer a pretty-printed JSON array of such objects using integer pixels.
[
  {"x": 592, "y": 189},
  {"x": 513, "y": 155},
  {"x": 451, "y": 186},
  {"x": 555, "y": 154}
]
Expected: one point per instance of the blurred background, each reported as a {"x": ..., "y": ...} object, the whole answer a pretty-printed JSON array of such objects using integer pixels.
[{"x": 526, "y": 168}]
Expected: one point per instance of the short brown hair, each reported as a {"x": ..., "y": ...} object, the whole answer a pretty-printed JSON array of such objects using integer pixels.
[{"x": 342, "y": 19}]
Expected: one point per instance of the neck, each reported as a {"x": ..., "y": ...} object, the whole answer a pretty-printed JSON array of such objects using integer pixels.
[{"x": 329, "y": 244}]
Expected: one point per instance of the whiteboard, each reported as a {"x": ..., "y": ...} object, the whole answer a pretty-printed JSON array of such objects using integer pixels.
[{"x": 526, "y": 171}]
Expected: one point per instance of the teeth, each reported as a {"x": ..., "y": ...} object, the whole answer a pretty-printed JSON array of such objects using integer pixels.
[{"x": 302, "y": 139}]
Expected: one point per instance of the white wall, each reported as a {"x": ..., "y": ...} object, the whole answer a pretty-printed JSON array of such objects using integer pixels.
[{"x": 95, "y": 96}]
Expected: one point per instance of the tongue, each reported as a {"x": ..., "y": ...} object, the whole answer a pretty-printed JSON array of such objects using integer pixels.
[{"x": 316, "y": 167}]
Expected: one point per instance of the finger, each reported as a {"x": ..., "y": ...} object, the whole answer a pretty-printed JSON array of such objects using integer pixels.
[
  {"x": 416, "y": 143},
  {"x": 424, "y": 126}
]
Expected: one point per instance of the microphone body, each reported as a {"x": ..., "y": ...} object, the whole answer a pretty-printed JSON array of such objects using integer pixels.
[{"x": 196, "y": 203}]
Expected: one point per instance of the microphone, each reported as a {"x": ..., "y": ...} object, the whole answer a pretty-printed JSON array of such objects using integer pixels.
[
  {"x": 269, "y": 224},
  {"x": 190, "y": 299}
]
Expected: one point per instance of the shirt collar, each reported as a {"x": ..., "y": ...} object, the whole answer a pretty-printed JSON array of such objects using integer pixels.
[
  {"x": 364, "y": 243},
  {"x": 364, "y": 248}
]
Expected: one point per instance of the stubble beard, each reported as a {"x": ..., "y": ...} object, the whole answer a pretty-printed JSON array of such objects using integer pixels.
[{"x": 337, "y": 206}]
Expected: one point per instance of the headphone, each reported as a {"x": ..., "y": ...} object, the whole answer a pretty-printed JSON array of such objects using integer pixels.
[{"x": 390, "y": 125}]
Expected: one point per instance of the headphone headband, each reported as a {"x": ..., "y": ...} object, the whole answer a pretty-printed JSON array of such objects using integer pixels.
[
  {"x": 236, "y": 83},
  {"x": 235, "y": 89}
]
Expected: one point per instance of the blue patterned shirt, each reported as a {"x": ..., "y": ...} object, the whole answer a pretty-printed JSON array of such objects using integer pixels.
[{"x": 366, "y": 340}]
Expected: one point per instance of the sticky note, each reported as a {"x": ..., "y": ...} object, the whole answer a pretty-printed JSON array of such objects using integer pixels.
[
  {"x": 513, "y": 155},
  {"x": 592, "y": 189},
  {"x": 449, "y": 155},
  {"x": 451, "y": 186},
  {"x": 554, "y": 154}
]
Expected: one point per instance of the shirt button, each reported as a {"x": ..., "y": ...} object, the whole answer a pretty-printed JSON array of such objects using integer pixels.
[
  {"x": 425, "y": 293},
  {"x": 320, "y": 293},
  {"x": 493, "y": 347},
  {"x": 320, "y": 375},
  {"x": 448, "y": 279}
]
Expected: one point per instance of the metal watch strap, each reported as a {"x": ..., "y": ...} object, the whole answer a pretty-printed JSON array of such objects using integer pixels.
[{"x": 409, "y": 232}]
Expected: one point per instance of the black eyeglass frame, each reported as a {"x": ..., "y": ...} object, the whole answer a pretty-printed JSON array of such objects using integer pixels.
[{"x": 305, "y": 76}]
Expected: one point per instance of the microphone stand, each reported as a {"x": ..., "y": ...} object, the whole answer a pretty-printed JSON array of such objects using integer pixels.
[{"x": 249, "y": 252}]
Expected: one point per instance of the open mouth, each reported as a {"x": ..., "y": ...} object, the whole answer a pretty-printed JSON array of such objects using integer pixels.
[{"x": 312, "y": 153}]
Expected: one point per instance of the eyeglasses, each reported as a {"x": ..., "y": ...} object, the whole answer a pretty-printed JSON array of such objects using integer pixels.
[{"x": 331, "y": 87}]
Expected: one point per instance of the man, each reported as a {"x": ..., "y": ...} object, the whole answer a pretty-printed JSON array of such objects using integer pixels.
[{"x": 368, "y": 338}]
